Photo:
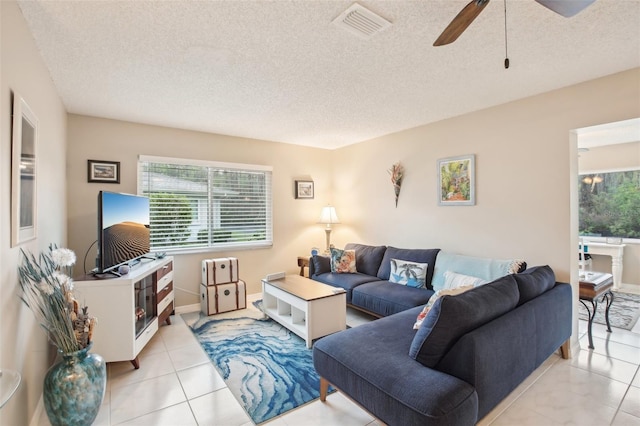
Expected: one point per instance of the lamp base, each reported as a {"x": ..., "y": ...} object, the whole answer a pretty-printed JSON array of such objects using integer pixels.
[{"x": 327, "y": 231}]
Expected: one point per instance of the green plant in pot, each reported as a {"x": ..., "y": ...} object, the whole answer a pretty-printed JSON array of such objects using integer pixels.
[{"x": 75, "y": 386}]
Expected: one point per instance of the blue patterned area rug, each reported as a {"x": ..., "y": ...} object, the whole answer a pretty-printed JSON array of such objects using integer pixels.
[{"x": 267, "y": 368}]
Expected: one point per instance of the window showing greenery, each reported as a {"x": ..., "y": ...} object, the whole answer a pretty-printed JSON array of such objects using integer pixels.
[
  {"x": 610, "y": 204},
  {"x": 198, "y": 205}
]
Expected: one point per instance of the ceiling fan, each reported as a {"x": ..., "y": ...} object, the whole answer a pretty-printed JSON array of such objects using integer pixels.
[{"x": 566, "y": 8}]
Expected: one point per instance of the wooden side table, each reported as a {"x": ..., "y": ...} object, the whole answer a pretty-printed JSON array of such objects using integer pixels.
[
  {"x": 594, "y": 286},
  {"x": 303, "y": 262}
]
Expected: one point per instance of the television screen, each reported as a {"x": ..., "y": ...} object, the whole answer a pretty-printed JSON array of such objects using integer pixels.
[{"x": 123, "y": 229}]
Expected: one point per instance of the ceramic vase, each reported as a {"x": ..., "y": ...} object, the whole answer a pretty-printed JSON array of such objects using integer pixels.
[{"x": 74, "y": 388}]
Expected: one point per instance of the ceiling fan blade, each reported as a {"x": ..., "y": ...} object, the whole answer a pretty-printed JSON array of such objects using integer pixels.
[
  {"x": 566, "y": 8},
  {"x": 461, "y": 22}
]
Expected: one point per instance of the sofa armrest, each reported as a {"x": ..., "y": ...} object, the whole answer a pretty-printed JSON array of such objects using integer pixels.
[
  {"x": 312, "y": 268},
  {"x": 510, "y": 347}
]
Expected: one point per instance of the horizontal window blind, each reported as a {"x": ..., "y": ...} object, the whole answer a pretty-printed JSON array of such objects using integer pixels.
[{"x": 196, "y": 204}]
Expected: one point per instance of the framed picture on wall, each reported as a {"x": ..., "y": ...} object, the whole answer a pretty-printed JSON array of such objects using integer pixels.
[
  {"x": 456, "y": 181},
  {"x": 103, "y": 171},
  {"x": 304, "y": 189},
  {"x": 23, "y": 172}
]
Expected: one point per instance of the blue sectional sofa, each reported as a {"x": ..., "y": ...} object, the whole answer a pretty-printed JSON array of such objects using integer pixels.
[
  {"x": 470, "y": 352},
  {"x": 370, "y": 290}
]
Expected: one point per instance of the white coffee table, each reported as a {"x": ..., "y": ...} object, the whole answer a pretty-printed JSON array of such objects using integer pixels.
[{"x": 308, "y": 308}]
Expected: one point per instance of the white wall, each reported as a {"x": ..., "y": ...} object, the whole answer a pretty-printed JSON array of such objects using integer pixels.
[
  {"x": 23, "y": 345},
  {"x": 295, "y": 230}
]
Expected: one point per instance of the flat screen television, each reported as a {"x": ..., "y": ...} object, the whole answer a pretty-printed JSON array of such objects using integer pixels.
[{"x": 123, "y": 230}]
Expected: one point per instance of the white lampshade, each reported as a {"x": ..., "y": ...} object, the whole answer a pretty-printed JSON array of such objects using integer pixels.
[{"x": 329, "y": 215}]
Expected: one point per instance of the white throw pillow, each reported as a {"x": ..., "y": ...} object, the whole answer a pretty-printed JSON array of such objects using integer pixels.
[{"x": 455, "y": 280}]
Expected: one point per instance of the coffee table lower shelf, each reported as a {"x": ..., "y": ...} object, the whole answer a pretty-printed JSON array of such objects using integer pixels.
[{"x": 309, "y": 318}]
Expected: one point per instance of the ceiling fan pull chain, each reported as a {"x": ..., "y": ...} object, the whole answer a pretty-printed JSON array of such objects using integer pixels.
[{"x": 506, "y": 49}]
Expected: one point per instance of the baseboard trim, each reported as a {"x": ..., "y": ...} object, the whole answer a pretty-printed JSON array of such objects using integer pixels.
[
  {"x": 185, "y": 309},
  {"x": 39, "y": 412}
]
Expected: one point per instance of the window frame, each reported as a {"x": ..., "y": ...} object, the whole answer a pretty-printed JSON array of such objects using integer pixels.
[
  {"x": 603, "y": 239},
  {"x": 214, "y": 247}
]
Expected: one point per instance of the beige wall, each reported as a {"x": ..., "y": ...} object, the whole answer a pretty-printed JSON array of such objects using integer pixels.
[
  {"x": 23, "y": 345},
  {"x": 523, "y": 158},
  {"x": 525, "y": 169},
  {"x": 611, "y": 158},
  {"x": 295, "y": 230},
  {"x": 526, "y": 166}
]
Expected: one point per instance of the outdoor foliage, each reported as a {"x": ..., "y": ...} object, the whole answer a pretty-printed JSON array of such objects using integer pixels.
[{"x": 611, "y": 207}]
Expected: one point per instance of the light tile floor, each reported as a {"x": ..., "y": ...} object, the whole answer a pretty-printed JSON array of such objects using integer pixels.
[{"x": 177, "y": 385}]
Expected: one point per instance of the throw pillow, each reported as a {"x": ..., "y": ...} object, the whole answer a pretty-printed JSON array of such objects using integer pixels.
[
  {"x": 534, "y": 281},
  {"x": 413, "y": 255},
  {"x": 455, "y": 280},
  {"x": 368, "y": 258},
  {"x": 434, "y": 297},
  {"x": 452, "y": 317},
  {"x": 343, "y": 261},
  {"x": 321, "y": 264},
  {"x": 411, "y": 274}
]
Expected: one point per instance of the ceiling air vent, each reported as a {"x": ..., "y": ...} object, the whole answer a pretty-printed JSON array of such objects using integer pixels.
[{"x": 361, "y": 22}]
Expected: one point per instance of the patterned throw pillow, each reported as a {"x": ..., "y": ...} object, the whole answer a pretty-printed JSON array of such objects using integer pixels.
[
  {"x": 343, "y": 261},
  {"x": 411, "y": 274},
  {"x": 444, "y": 292}
]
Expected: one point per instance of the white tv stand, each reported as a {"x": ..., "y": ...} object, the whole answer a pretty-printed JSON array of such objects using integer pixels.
[{"x": 129, "y": 308}]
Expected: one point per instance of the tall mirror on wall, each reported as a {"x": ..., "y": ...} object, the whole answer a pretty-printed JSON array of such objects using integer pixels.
[
  {"x": 609, "y": 199},
  {"x": 23, "y": 172}
]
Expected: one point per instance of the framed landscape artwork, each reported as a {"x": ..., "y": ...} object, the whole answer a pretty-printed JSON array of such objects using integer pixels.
[
  {"x": 23, "y": 172},
  {"x": 456, "y": 181},
  {"x": 304, "y": 189},
  {"x": 103, "y": 171}
]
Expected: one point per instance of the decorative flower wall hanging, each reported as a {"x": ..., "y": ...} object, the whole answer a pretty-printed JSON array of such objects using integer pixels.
[{"x": 397, "y": 173}]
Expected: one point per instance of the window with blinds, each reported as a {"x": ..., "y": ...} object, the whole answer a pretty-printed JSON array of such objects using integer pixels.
[{"x": 197, "y": 205}]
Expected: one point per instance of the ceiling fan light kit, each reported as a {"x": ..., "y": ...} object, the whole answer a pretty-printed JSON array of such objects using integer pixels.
[
  {"x": 466, "y": 16},
  {"x": 566, "y": 8}
]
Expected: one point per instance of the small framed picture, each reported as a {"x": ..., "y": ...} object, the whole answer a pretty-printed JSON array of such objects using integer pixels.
[
  {"x": 304, "y": 189},
  {"x": 456, "y": 181},
  {"x": 103, "y": 171}
]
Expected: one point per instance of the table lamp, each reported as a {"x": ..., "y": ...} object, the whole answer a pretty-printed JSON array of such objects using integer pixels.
[{"x": 328, "y": 216}]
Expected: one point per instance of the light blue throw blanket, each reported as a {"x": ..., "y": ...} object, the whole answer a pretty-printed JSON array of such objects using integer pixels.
[{"x": 487, "y": 269}]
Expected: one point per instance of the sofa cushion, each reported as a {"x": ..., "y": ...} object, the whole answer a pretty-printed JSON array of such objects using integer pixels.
[
  {"x": 411, "y": 274},
  {"x": 384, "y": 298},
  {"x": 485, "y": 268},
  {"x": 345, "y": 281},
  {"x": 427, "y": 256},
  {"x": 368, "y": 258},
  {"x": 343, "y": 261},
  {"x": 534, "y": 281},
  {"x": 453, "y": 316}
]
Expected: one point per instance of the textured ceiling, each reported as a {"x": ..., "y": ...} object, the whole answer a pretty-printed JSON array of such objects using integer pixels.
[{"x": 281, "y": 71}]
